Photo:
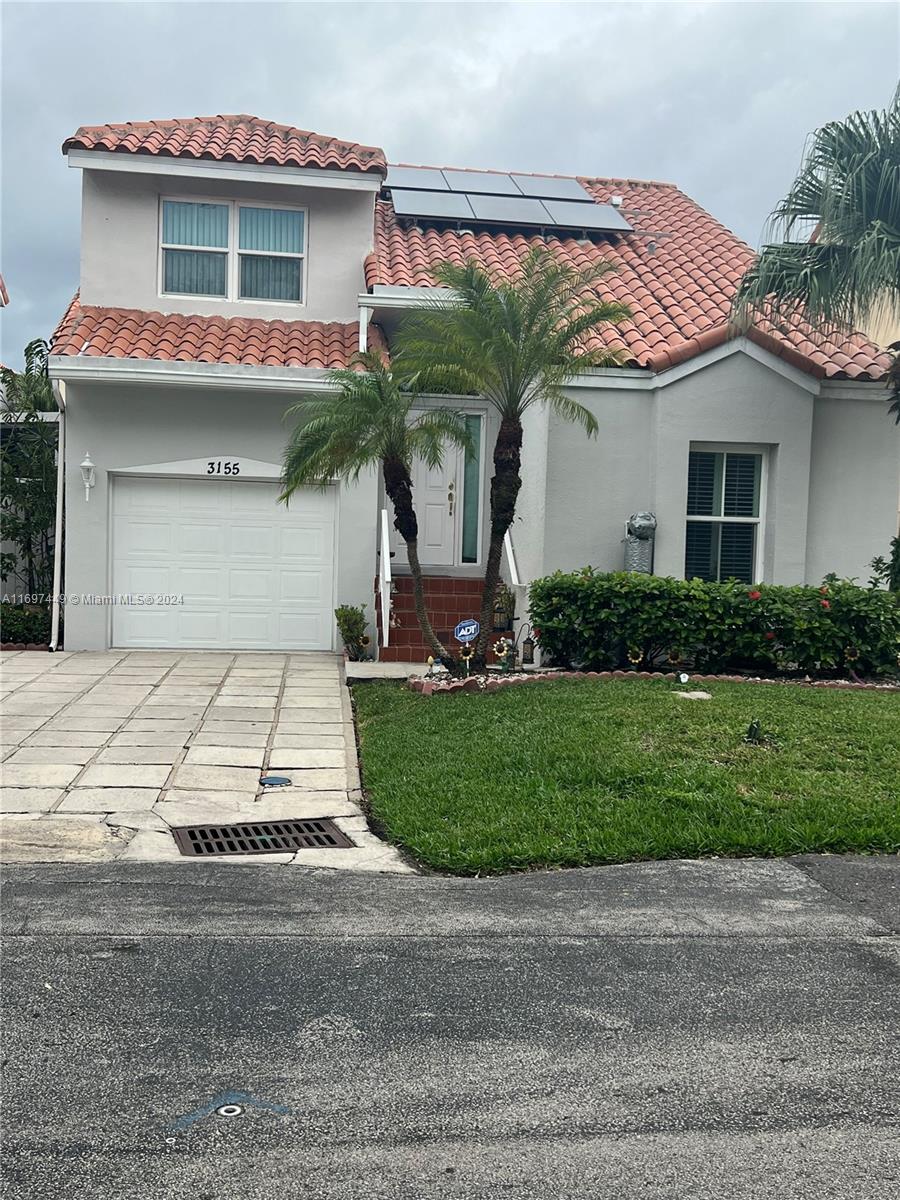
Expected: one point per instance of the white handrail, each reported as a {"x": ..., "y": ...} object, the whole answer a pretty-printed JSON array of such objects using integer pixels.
[
  {"x": 511, "y": 565},
  {"x": 384, "y": 579}
]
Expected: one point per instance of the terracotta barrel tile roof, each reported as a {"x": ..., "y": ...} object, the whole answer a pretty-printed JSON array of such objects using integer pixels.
[
  {"x": 677, "y": 273},
  {"x": 131, "y": 333},
  {"x": 232, "y": 138}
]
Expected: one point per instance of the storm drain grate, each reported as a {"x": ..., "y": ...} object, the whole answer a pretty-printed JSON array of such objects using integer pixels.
[{"x": 262, "y": 837}]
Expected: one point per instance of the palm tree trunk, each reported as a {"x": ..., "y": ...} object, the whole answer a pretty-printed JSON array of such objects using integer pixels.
[
  {"x": 412, "y": 553},
  {"x": 504, "y": 492},
  {"x": 398, "y": 485}
]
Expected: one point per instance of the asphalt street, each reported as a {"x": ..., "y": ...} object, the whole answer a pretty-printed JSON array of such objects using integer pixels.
[{"x": 716, "y": 1029}]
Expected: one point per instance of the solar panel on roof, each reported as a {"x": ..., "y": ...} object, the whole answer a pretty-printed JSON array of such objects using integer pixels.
[
  {"x": 485, "y": 182},
  {"x": 427, "y": 178},
  {"x": 551, "y": 189},
  {"x": 517, "y": 210},
  {"x": 570, "y": 215},
  {"x": 446, "y": 206}
]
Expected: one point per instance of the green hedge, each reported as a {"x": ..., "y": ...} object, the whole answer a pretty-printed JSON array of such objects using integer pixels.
[
  {"x": 592, "y": 620},
  {"x": 19, "y": 624}
]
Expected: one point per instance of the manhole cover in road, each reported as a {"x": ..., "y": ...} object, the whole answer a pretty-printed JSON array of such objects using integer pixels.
[{"x": 262, "y": 837}]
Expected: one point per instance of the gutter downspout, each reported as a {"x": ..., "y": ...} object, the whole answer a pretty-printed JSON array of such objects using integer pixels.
[{"x": 59, "y": 392}]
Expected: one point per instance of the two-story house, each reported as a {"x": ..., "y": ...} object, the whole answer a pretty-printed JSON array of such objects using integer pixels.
[{"x": 228, "y": 263}]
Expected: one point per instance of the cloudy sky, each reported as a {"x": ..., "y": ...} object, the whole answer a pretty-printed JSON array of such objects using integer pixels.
[{"x": 717, "y": 97}]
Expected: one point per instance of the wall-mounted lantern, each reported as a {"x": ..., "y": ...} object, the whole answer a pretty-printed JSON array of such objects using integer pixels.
[{"x": 88, "y": 474}]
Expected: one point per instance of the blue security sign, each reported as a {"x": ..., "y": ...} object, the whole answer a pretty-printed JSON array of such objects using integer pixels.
[{"x": 467, "y": 631}]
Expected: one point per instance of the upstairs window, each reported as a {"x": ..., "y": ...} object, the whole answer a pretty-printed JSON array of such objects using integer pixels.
[
  {"x": 201, "y": 270},
  {"x": 723, "y": 502},
  {"x": 232, "y": 251},
  {"x": 270, "y": 248}
]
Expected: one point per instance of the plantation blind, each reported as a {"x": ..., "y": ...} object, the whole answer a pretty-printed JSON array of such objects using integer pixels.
[{"x": 722, "y": 484}]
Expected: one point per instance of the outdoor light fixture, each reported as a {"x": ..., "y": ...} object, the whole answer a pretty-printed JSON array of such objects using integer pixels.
[
  {"x": 87, "y": 474},
  {"x": 526, "y": 633}
]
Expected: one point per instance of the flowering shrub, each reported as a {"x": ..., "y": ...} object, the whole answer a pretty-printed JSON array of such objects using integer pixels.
[{"x": 593, "y": 620}]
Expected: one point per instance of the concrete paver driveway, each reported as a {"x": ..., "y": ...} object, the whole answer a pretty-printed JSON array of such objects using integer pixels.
[{"x": 105, "y": 752}]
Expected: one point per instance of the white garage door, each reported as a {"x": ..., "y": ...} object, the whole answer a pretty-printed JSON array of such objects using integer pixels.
[{"x": 247, "y": 572}]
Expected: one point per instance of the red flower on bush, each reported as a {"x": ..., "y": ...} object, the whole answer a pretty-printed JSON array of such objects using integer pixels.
[
  {"x": 755, "y": 595},
  {"x": 770, "y": 636},
  {"x": 826, "y": 603}
]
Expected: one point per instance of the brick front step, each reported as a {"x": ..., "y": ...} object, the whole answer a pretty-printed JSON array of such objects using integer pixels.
[{"x": 448, "y": 601}]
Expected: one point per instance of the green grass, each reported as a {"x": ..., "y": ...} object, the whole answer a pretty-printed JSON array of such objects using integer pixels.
[{"x": 571, "y": 773}]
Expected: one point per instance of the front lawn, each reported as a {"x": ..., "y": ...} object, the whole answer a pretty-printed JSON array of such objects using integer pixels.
[{"x": 571, "y": 773}]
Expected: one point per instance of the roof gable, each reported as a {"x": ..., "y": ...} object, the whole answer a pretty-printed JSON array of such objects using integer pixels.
[{"x": 231, "y": 138}]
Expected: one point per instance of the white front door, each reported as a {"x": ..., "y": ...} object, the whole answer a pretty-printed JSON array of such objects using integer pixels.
[
  {"x": 437, "y": 501},
  {"x": 221, "y": 564}
]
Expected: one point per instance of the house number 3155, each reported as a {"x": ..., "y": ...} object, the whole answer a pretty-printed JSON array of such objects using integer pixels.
[{"x": 221, "y": 466}]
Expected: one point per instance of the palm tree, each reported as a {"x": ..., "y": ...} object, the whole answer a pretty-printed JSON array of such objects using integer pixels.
[
  {"x": 846, "y": 273},
  {"x": 516, "y": 343},
  {"x": 368, "y": 421}
]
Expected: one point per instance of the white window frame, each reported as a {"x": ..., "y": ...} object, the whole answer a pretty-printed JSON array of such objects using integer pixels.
[
  {"x": 461, "y": 478},
  {"x": 759, "y": 521},
  {"x": 233, "y": 252}
]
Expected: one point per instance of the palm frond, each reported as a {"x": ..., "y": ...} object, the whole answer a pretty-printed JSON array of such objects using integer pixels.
[
  {"x": 366, "y": 419},
  {"x": 849, "y": 189},
  {"x": 432, "y": 431},
  {"x": 515, "y": 341}
]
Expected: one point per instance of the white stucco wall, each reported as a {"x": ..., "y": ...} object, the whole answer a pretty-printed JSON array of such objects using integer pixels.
[
  {"x": 595, "y": 483},
  {"x": 736, "y": 401},
  {"x": 120, "y": 245},
  {"x": 140, "y": 425},
  {"x": 831, "y": 477},
  {"x": 853, "y": 485},
  {"x": 529, "y": 527}
]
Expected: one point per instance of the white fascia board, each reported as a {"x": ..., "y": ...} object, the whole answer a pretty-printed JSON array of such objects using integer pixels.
[
  {"x": 854, "y": 389},
  {"x": 202, "y": 168},
  {"x": 621, "y": 377},
  {"x": 84, "y": 369},
  {"x": 400, "y": 297}
]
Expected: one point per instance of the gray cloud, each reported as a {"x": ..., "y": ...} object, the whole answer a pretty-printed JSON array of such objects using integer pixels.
[{"x": 717, "y": 98}]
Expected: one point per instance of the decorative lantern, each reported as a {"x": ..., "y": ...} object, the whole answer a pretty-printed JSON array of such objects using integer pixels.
[{"x": 88, "y": 475}]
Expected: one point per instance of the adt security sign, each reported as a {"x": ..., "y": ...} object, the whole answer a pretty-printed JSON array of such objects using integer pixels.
[{"x": 467, "y": 631}]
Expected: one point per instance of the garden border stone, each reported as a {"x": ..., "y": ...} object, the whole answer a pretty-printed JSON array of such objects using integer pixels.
[{"x": 495, "y": 683}]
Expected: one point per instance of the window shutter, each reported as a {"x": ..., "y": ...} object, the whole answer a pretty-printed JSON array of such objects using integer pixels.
[
  {"x": 741, "y": 485},
  {"x": 737, "y": 552},
  {"x": 701, "y": 550},
  {"x": 704, "y": 483}
]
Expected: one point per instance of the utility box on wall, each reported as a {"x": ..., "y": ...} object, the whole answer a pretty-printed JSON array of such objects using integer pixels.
[{"x": 640, "y": 532}]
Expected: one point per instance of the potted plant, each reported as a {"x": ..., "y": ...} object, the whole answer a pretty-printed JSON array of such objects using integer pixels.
[{"x": 351, "y": 622}]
